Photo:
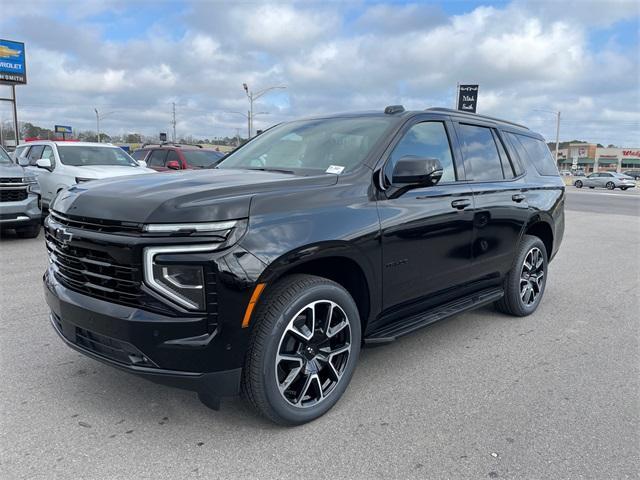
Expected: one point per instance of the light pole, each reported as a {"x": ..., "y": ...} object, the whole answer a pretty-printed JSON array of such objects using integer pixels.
[
  {"x": 98, "y": 118},
  {"x": 253, "y": 96}
]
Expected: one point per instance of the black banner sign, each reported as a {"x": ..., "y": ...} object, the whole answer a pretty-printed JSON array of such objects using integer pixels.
[{"x": 468, "y": 98}]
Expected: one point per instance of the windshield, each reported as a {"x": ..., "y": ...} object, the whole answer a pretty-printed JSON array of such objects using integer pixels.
[
  {"x": 201, "y": 158},
  {"x": 5, "y": 159},
  {"x": 80, "y": 156},
  {"x": 314, "y": 145}
]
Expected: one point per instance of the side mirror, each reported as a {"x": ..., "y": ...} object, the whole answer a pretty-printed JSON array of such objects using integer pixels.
[
  {"x": 413, "y": 172},
  {"x": 44, "y": 163},
  {"x": 23, "y": 161},
  {"x": 173, "y": 165}
]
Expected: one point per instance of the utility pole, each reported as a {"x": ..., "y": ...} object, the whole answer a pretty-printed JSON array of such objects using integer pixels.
[
  {"x": 97, "y": 123},
  {"x": 557, "y": 136},
  {"x": 253, "y": 97},
  {"x": 174, "y": 122}
]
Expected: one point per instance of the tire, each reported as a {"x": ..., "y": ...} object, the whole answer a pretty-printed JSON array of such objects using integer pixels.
[
  {"x": 624, "y": 189},
  {"x": 610, "y": 186},
  {"x": 592, "y": 188},
  {"x": 278, "y": 357},
  {"x": 518, "y": 286},
  {"x": 32, "y": 231},
  {"x": 578, "y": 184}
]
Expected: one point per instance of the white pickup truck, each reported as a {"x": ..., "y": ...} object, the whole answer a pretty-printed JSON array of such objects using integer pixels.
[{"x": 60, "y": 164}]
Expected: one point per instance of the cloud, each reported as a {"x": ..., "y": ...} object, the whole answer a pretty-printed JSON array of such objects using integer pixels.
[{"x": 333, "y": 57}]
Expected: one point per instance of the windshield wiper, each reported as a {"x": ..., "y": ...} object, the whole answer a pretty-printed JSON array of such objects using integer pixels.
[{"x": 268, "y": 169}]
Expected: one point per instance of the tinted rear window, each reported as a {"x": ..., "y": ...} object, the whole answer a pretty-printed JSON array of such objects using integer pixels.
[
  {"x": 480, "y": 153},
  {"x": 538, "y": 154}
]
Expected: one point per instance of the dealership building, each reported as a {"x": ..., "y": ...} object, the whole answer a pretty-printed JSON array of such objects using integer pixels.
[{"x": 591, "y": 158}]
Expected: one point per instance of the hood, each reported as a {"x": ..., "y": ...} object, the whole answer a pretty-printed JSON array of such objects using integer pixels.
[
  {"x": 106, "y": 171},
  {"x": 186, "y": 196},
  {"x": 11, "y": 170}
]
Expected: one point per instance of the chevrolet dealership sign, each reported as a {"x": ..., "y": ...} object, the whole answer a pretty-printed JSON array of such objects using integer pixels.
[{"x": 13, "y": 69}]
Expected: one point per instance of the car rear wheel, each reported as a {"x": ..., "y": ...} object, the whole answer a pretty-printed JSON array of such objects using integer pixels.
[
  {"x": 304, "y": 349},
  {"x": 524, "y": 284},
  {"x": 578, "y": 184},
  {"x": 610, "y": 185},
  {"x": 623, "y": 188}
]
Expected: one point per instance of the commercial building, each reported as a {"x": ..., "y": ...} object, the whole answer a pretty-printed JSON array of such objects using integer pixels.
[{"x": 591, "y": 158}]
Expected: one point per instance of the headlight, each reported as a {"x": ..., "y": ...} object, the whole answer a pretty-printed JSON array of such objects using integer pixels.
[
  {"x": 82, "y": 179},
  {"x": 189, "y": 227},
  {"x": 180, "y": 284},
  {"x": 32, "y": 184}
]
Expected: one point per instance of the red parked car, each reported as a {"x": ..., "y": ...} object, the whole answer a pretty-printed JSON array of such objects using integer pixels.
[{"x": 173, "y": 156}]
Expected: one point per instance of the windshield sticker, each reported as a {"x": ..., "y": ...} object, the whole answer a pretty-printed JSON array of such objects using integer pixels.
[{"x": 337, "y": 169}]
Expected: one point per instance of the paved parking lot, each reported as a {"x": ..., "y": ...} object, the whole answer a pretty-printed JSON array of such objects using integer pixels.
[{"x": 481, "y": 395}]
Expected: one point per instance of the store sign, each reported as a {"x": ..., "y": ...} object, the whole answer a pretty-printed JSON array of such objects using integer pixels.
[
  {"x": 13, "y": 69},
  {"x": 631, "y": 153},
  {"x": 468, "y": 98},
  {"x": 63, "y": 129}
]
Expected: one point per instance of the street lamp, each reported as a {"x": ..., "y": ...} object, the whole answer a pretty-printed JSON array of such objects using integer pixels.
[
  {"x": 252, "y": 96},
  {"x": 100, "y": 116}
]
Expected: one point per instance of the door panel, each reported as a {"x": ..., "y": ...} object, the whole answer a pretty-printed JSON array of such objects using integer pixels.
[
  {"x": 426, "y": 241},
  {"x": 426, "y": 232}
]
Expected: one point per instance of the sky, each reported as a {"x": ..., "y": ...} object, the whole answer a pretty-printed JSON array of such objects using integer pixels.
[{"x": 133, "y": 59}]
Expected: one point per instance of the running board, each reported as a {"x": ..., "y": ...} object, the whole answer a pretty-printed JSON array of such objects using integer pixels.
[{"x": 390, "y": 332}]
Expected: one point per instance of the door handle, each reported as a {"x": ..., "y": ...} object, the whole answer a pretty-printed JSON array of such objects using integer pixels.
[
  {"x": 461, "y": 204},
  {"x": 518, "y": 197}
]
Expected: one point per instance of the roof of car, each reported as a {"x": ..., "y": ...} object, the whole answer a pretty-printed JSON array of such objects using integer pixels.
[
  {"x": 74, "y": 144},
  {"x": 398, "y": 111}
]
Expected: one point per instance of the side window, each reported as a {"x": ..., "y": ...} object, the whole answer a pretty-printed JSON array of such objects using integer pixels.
[
  {"x": 539, "y": 155},
  {"x": 480, "y": 153},
  {"x": 139, "y": 154},
  {"x": 157, "y": 157},
  {"x": 507, "y": 169},
  {"x": 48, "y": 153},
  {"x": 424, "y": 140},
  {"x": 34, "y": 154},
  {"x": 517, "y": 151},
  {"x": 173, "y": 156}
]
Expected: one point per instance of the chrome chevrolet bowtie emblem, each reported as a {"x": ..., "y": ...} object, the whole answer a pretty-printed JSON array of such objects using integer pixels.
[{"x": 63, "y": 236}]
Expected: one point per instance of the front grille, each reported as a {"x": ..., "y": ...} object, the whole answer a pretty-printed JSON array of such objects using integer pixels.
[
  {"x": 95, "y": 272},
  {"x": 96, "y": 224},
  {"x": 111, "y": 348},
  {"x": 13, "y": 195},
  {"x": 11, "y": 180}
]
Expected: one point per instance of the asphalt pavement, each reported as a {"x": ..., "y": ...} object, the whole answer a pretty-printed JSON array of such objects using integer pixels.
[
  {"x": 481, "y": 395},
  {"x": 604, "y": 201}
]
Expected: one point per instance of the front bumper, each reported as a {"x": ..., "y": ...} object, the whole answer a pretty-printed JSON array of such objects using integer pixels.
[
  {"x": 21, "y": 213},
  {"x": 159, "y": 348}
]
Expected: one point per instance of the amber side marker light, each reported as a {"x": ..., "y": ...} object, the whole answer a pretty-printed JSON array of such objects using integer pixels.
[{"x": 252, "y": 304}]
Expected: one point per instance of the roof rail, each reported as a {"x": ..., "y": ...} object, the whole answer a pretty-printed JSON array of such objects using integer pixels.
[
  {"x": 163, "y": 144},
  {"x": 469, "y": 114}
]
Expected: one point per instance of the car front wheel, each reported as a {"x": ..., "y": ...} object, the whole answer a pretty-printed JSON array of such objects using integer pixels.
[
  {"x": 304, "y": 349},
  {"x": 578, "y": 184},
  {"x": 610, "y": 185}
]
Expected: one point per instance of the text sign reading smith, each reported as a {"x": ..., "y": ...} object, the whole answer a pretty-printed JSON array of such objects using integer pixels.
[
  {"x": 63, "y": 129},
  {"x": 468, "y": 98},
  {"x": 13, "y": 69}
]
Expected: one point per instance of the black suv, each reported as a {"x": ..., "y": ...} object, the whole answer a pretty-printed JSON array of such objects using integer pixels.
[{"x": 267, "y": 274}]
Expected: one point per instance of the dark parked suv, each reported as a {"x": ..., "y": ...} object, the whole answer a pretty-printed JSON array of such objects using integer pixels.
[{"x": 267, "y": 274}]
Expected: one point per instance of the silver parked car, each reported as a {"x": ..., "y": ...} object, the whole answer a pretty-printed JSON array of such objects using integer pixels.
[
  {"x": 608, "y": 180},
  {"x": 19, "y": 198}
]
